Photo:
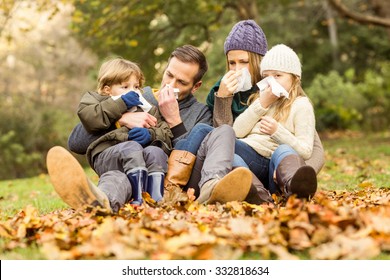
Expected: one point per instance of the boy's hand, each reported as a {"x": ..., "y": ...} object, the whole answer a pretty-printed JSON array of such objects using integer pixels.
[
  {"x": 140, "y": 135},
  {"x": 131, "y": 99}
]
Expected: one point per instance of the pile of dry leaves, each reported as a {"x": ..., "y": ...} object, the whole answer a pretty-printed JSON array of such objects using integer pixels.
[{"x": 333, "y": 225}]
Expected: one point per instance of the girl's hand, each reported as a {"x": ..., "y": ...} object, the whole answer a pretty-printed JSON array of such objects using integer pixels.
[
  {"x": 268, "y": 125},
  {"x": 267, "y": 97},
  {"x": 229, "y": 83}
]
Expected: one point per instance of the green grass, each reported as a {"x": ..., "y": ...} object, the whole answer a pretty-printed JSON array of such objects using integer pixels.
[
  {"x": 355, "y": 158},
  {"x": 35, "y": 191}
]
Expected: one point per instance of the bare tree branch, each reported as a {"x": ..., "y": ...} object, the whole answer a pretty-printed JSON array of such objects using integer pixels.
[{"x": 359, "y": 17}]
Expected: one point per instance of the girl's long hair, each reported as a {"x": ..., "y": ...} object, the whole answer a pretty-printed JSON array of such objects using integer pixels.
[{"x": 283, "y": 105}]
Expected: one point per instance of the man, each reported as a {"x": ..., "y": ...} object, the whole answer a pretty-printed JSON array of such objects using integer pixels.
[{"x": 184, "y": 72}]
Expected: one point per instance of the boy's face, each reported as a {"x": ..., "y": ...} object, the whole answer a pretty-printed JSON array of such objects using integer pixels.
[
  {"x": 132, "y": 84},
  {"x": 181, "y": 75}
]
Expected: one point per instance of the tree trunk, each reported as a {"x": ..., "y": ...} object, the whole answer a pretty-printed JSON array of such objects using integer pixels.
[{"x": 332, "y": 31}]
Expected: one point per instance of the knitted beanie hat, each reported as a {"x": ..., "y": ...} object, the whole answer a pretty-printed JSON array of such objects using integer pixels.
[
  {"x": 246, "y": 35},
  {"x": 281, "y": 58}
]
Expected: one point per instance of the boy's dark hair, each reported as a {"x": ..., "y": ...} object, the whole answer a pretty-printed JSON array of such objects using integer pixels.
[{"x": 191, "y": 54}]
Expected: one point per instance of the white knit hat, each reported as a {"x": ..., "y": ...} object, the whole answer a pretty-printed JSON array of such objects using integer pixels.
[{"x": 281, "y": 58}]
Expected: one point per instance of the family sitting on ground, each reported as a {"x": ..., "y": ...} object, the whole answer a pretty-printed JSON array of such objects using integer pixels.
[{"x": 255, "y": 136}]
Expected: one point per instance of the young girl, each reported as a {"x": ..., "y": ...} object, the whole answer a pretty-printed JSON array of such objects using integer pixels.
[
  {"x": 128, "y": 161},
  {"x": 273, "y": 120}
]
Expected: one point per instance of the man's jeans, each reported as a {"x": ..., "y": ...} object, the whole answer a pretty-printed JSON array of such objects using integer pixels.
[{"x": 194, "y": 139}]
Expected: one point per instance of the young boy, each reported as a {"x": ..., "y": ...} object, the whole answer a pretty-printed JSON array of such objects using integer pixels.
[{"x": 128, "y": 161}]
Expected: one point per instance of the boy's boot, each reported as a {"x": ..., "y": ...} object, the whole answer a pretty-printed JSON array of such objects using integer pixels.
[
  {"x": 138, "y": 179},
  {"x": 180, "y": 164},
  {"x": 71, "y": 183},
  {"x": 295, "y": 177},
  {"x": 155, "y": 185},
  {"x": 233, "y": 186}
]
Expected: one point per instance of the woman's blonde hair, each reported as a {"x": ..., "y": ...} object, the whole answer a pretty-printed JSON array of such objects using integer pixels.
[{"x": 116, "y": 71}]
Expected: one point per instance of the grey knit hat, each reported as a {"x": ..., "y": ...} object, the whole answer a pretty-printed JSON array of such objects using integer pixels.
[
  {"x": 281, "y": 58},
  {"x": 246, "y": 35}
]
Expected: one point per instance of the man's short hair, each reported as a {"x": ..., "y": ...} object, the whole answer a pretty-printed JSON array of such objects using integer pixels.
[{"x": 191, "y": 54}]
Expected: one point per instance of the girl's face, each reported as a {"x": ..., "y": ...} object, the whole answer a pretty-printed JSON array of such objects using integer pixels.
[
  {"x": 132, "y": 84},
  {"x": 238, "y": 59},
  {"x": 283, "y": 78}
]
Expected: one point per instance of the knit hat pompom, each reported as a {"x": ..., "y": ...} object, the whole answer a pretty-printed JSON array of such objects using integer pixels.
[
  {"x": 281, "y": 58},
  {"x": 246, "y": 35}
]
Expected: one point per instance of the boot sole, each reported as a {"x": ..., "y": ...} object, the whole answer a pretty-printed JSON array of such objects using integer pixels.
[
  {"x": 304, "y": 182},
  {"x": 234, "y": 186},
  {"x": 69, "y": 179}
]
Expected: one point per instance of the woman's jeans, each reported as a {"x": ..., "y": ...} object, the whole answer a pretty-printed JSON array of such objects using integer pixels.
[
  {"x": 277, "y": 156},
  {"x": 195, "y": 137}
]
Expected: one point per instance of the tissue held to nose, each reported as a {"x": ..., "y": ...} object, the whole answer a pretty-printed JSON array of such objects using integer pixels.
[
  {"x": 244, "y": 81},
  {"x": 276, "y": 88}
]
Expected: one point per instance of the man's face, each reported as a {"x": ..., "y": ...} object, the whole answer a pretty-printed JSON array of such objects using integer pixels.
[{"x": 181, "y": 75}]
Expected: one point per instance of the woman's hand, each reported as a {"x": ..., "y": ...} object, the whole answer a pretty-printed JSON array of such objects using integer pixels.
[{"x": 229, "y": 83}]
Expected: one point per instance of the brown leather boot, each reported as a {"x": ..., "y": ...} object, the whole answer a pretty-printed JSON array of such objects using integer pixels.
[
  {"x": 258, "y": 194},
  {"x": 295, "y": 177},
  {"x": 180, "y": 164}
]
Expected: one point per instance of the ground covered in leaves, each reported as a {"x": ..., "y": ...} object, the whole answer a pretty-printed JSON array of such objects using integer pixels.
[{"x": 333, "y": 225}]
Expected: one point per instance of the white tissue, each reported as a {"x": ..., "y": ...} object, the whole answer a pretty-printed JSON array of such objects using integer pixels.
[
  {"x": 145, "y": 106},
  {"x": 175, "y": 91},
  {"x": 276, "y": 88},
  {"x": 244, "y": 81}
]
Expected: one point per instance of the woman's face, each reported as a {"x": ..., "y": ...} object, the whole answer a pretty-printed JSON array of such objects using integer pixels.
[{"x": 238, "y": 59}]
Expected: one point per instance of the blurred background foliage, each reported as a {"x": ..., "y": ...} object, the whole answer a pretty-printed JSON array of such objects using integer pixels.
[{"x": 50, "y": 51}]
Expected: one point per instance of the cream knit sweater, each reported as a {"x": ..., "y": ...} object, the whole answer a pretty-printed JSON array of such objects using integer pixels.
[{"x": 297, "y": 130}]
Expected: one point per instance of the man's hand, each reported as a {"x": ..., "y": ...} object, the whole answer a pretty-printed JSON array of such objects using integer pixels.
[
  {"x": 169, "y": 107},
  {"x": 137, "y": 119}
]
